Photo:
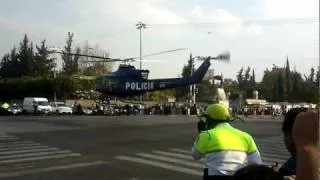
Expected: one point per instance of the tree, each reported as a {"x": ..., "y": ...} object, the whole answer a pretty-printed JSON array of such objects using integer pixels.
[
  {"x": 253, "y": 78},
  {"x": 26, "y": 57},
  {"x": 70, "y": 65},
  {"x": 247, "y": 76},
  {"x": 288, "y": 81},
  {"x": 240, "y": 78},
  {"x": 96, "y": 69},
  {"x": 43, "y": 63},
  {"x": 318, "y": 77},
  {"x": 10, "y": 66},
  {"x": 183, "y": 92}
]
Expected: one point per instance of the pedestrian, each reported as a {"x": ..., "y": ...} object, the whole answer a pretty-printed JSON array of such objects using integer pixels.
[
  {"x": 305, "y": 135},
  {"x": 225, "y": 148},
  {"x": 289, "y": 167}
]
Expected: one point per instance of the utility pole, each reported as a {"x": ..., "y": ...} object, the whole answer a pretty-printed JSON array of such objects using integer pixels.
[
  {"x": 193, "y": 86},
  {"x": 139, "y": 26}
]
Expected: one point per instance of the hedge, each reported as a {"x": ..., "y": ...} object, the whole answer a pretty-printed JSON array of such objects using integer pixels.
[{"x": 18, "y": 88}]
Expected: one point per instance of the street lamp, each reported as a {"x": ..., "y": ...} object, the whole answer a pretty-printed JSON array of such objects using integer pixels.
[{"x": 139, "y": 26}]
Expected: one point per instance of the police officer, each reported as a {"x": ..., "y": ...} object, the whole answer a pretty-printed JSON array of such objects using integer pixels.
[{"x": 224, "y": 148}]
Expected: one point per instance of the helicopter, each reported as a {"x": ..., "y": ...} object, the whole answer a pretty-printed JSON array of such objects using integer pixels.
[{"x": 127, "y": 81}]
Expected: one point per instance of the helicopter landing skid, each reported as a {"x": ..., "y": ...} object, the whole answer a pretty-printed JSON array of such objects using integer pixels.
[{"x": 131, "y": 102}]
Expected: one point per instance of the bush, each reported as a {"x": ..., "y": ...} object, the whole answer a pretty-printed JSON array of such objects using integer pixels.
[{"x": 18, "y": 88}]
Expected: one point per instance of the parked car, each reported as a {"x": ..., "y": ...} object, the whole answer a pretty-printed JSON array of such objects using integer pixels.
[
  {"x": 60, "y": 108},
  {"x": 15, "y": 109}
]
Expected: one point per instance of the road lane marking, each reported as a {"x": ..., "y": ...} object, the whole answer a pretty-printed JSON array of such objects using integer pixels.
[
  {"x": 172, "y": 160},
  {"x": 53, "y": 168},
  {"x": 18, "y": 145},
  {"x": 8, "y": 138},
  {"x": 161, "y": 165},
  {"x": 27, "y": 151},
  {"x": 22, "y": 148},
  {"x": 16, "y": 142},
  {"x": 174, "y": 155},
  {"x": 39, "y": 158},
  {"x": 35, "y": 154},
  {"x": 180, "y": 151}
]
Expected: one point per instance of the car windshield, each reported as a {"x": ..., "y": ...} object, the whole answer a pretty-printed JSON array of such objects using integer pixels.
[
  {"x": 43, "y": 103},
  {"x": 60, "y": 104}
]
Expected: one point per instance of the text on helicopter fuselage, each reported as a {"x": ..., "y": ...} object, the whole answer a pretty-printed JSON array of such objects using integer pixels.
[{"x": 139, "y": 86}]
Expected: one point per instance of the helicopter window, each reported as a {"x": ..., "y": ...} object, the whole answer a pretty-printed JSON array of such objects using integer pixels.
[{"x": 144, "y": 75}]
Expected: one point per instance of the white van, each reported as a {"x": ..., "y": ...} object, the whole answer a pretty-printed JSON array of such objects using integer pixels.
[{"x": 41, "y": 105}]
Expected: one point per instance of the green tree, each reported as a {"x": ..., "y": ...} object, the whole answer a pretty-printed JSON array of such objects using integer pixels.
[
  {"x": 183, "y": 92},
  {"x": 97, "y": 69},
  {"x": 43, "y": 63},
  {"x": 240, "y": 78},
  {"x": 288, "y": 81},
  {"x": 247, "y": 76},
  {"x": 70, "y": 65},
  {"x": 26, "y": 57},
  {"x": 10, "y": 66}
]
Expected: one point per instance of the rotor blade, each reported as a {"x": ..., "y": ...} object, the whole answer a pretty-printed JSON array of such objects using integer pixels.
[
  {"x": 223, "y": 56},
  {"x": 162, "y": 52},
  {"x": 84, "y": 55},
  {"x": 104, "y": 61},
  {"x": 84, "y": 77}
]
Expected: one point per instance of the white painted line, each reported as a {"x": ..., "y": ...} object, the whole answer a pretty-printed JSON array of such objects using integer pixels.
[
  {"x": 172, "y": 160},
  {"x": 35, "y": 154},
  {"x": 273, "y": 149},
  {"x": 272, "y": 160},
  {"x": 39, "y": 158},
  {"x": 8, "y": 139},
  {"x": 180, "y": 151},
  {"x": 22, "y": 148},
  {"x": 18, "y": 145},
  {"x": 6, "y": 136},
  {"x": 53, "y": 168},
  {"x": 265, "y": 141},
  {"x": 28, "y": 150},
  {"x": 161, "y": 165},
  {"x": 274, "y": 155},
  {"x": 16, "y": 142},
  {"x": 174, "y": 154}
]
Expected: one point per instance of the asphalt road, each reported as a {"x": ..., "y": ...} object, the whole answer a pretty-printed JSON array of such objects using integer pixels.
[{"x": 100, "y": 147}]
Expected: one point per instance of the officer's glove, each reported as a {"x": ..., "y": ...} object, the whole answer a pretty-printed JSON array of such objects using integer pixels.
[{"x": 201, "y": 126}]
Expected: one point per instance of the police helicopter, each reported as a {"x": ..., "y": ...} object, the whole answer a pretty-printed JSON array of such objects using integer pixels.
[{"x": 128, "y": 81}]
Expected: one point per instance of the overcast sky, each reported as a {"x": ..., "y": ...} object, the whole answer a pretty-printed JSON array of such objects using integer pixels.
[{"x": 111, "y": 25}]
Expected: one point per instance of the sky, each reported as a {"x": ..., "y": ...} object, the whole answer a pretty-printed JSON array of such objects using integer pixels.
[{"x": 203, "y": 27}]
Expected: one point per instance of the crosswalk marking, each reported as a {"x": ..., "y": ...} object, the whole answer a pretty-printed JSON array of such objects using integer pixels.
[
  {"x": 53, "y": 168},
  {"x": 27, "y": 151},
  {"x": 180, "y": 159},
  {"x": 174, "y": 154},
  {"x": 173, "y": 160},
  {"x": 39, "y": 158},
  {"x": 16, "y": 142},
  {"x": 161, "y": 165},
  {"x": 35, "y": 154},
  {"x": 180, "y": 150},
  {"x": 19, "y": 157},
  {"x": 22, "y": 148},
  {"x": 19, "y": 145}
]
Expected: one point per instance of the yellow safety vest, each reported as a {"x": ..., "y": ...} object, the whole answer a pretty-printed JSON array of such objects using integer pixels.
[
  {"x": 226, "y": 149},
  {"x": 5, "y": 106}
]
